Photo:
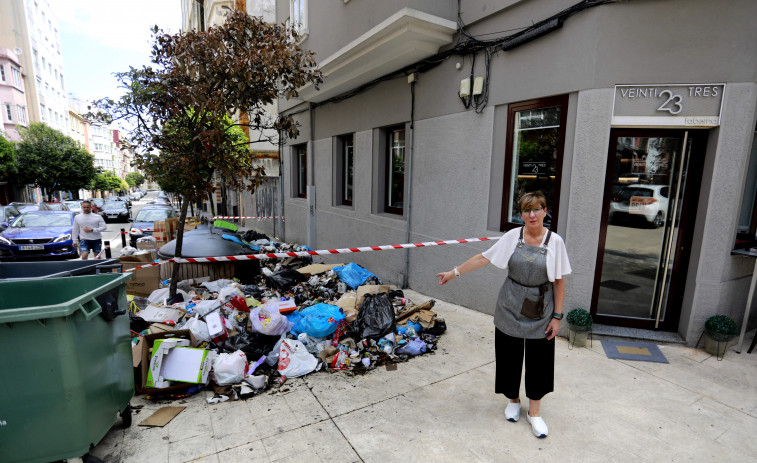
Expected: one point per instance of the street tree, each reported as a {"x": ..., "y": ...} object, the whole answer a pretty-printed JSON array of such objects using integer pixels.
[
  {"x": 8, "y": 163},
  {"x": 106, "y": 181},
  {"x": 178, "y": 108},
  {"x": 135, "y": 179},
  {"x": 52, "y": 161}
]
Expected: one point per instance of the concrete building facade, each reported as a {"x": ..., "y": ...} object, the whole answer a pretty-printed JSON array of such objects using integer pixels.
[{"x": 636, "y": 119}]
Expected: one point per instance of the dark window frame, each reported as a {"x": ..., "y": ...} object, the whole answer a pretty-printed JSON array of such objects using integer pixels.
[
  {"x": 299, "y": 169},
  {"x": 387, "y": 161},
  {"x": 513, "y": 108},
  {"x": 342, "y": 142}
]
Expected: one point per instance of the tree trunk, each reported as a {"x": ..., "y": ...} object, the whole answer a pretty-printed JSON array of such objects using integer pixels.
[
  {"x": 211, "y": 202},
  {"x": 179, "y": 242}
]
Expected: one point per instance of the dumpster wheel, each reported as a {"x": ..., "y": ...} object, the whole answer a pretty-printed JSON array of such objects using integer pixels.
[{"x": 126, "y": 417}]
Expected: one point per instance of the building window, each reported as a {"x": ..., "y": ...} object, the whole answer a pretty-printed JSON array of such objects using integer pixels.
[
  {"x": 300, "y": 174},
  {"x": 16, "y": 77},
  {"x": 42, "y": 112},
  {"x": 8, "y": 112},
  {"x": 394, "y": 185},
  {"x": 345, "y": 169},
  {"x": 747, "y": 229},
  {"x": 2, "y": 73},
  {"x": 533, "y": 157},
  {"x": 21, "y": 114},
  {"x": 298, "y": 14}
]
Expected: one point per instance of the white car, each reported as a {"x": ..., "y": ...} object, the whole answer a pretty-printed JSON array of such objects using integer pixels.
[{"x": 648, "y": 201}]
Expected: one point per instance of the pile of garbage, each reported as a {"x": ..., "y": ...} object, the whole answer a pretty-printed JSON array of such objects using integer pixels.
[{"x": 296, "y": 318}]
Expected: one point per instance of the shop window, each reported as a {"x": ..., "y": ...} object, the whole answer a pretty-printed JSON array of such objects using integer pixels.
[
  {"x": 534, "y": 154},
  {"x": 300, "y": 170},
  {"x": 394, "y": 173},
  {"x": 747, "y": 229},
  {"x": 344, "y": 169}
]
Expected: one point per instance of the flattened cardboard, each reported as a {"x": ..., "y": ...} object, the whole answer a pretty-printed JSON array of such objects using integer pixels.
[
  {"x": 146, "y": 280},
  {"x": 145, "y": 363},
  {"x": 152, "y": 313},
  {"x": 315, "y": 269},
  {"x": 162, "y": 417}
]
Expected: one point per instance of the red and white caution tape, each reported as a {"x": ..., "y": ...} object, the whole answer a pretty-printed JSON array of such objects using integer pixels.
[
  {"x": 244, "y": 217},
  {"x": 323, "y": 252},
  {"x": 148, "y": 265},
  {"x": 135, "y": 229}
]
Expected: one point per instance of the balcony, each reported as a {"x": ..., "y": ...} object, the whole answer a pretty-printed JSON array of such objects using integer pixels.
[{"x": 402, "y": 39}]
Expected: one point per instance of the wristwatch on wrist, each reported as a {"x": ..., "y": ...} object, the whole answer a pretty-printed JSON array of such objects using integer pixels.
[{"x": 457, "y": 272}]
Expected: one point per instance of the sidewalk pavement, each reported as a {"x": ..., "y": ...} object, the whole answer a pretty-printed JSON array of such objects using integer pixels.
[{"x": 441, "y": 407}]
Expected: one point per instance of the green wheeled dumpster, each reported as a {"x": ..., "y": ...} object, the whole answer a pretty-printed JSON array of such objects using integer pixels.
[{"x": 66, "y": 365}]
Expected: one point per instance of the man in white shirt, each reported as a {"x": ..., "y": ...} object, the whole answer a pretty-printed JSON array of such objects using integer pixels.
[{"x": 87, "y": 231}]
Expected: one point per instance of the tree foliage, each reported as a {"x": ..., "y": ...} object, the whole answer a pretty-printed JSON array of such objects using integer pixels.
[
  {"x": 8, "y": 163},
  {"x": 179, "y": 107},
  {"x": 106, "y": 181},
  {"x": 135, "y": 179},
  {"x": 51, "y": 160}
]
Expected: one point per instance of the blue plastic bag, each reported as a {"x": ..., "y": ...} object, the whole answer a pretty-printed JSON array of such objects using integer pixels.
[
  {"x": 414, "y": 347},
  {"x": 353, "y": 275},
  {"x": 317, "y": 320}
]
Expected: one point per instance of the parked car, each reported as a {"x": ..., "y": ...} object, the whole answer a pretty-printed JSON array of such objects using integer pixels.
[
  {"x": 97, "y": 204},
  {"x": 58, "y": 206},
  {"x": 144, "y": 220},
  {"x": 648, "y": 201},
  {"x": 126, "y": 199},
  {"x": 73, "y": 206},
  {"x": 7, "y": 214},
  {"x": 39, "y": 235},
  {"x": 115, "y": 210},
  {"x": 30, "y": 207}
]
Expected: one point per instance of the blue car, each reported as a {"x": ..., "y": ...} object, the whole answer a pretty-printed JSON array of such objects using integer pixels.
[{"x": 34, "y": 235}]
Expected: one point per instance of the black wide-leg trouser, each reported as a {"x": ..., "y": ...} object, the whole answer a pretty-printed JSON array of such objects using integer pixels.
[{"x": 540, "y": 365}]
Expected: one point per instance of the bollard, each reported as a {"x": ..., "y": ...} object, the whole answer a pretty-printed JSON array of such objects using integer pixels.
[
  {"x": 107, "y": 249},
  {"x": 123, "y": 238}
]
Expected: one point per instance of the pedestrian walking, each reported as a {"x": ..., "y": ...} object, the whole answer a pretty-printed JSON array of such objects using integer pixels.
[
  {"x": 87, "y": 231},
  {"x": 529, "y": 307}
]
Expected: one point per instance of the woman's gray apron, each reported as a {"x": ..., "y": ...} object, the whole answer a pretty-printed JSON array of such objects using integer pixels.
[{"x": 527, "y": 270}]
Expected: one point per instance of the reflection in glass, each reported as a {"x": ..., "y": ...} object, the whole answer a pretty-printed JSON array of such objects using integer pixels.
[
  {"x": 348, "y": 161},
  {"x": 535, "y": 146},
  {"x": 396, "y": 169},
  {"x": 638, "y": 257}
]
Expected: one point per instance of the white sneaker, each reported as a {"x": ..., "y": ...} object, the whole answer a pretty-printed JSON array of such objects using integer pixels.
[
  {"x": 512, "y": 412},
  {"x": 538, "y": 426}
]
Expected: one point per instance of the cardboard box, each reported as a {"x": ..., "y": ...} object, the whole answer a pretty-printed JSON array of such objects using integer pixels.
[
  {"x": 144, "y": 365},
  {"x": 147, "y": 245},
  {"x": 173, "y": 360},
  {"x": 216, "y": 327},
  {"x": 146, "y": 280}
]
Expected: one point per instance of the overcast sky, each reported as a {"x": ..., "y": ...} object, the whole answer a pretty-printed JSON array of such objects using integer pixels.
[{"x": 100, "y": 37}]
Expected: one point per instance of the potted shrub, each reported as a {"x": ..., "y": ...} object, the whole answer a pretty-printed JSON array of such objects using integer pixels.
[
  {"x": 718, "y": 330},
  {"x": 579, "y": 325}
]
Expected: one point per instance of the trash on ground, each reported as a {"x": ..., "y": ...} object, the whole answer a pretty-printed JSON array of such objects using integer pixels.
[
  {"x": 294, "y": 318},
  {"x": 162, "y": 417}
]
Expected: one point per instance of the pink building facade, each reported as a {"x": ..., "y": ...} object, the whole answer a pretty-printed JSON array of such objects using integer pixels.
[{"x": 13, "y": 110}]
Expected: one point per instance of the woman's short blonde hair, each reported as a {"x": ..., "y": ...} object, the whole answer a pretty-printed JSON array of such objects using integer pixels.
[{"x": 532, "y": 200}]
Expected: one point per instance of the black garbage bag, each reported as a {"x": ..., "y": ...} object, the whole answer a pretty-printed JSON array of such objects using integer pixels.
[
  {"x": 254, "y": 345},
  {"x": 251, "y": 236},
  {"x": 376, "y": 316},
  {"x": 252, "y": 291},
  {"x": 284, "y": 279},
  {"x": 137, "y": 324},
  {"x": 396, "y": 293}
]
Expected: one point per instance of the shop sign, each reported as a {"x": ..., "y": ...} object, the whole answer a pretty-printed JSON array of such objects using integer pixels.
[
  {"x": 533, "y": 168},
  {"x": 680, "y": 105}
]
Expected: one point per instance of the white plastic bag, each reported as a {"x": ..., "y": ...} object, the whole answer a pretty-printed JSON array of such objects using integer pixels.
[
  {"x": 203, "y": 308},
  {"x": 217, "y": 285},
  {"x": 294, "y": 359},
  {"x": 230, "y": 290},
  {"x": 159, "y": 295},
  {"x": 269, "y": 322},
  {"x": 128, "y": 251},
  {"x": 229, "y": 368},
  {"x": 198, "y": 328}
]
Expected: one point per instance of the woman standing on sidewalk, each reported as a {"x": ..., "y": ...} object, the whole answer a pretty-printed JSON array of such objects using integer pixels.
[{"x": 529, "y": 307}]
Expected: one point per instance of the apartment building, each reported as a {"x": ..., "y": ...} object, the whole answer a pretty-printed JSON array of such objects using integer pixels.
[
  {"x": 30, "y": 29},
  {"x": 12, "y": 95},
  {"x": 636, "y": 119}
]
